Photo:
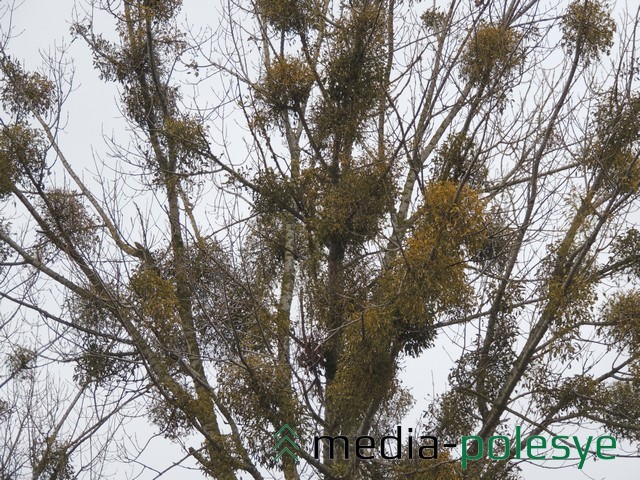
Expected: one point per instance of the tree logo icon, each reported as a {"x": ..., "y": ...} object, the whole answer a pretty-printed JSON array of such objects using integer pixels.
[{"x": 285, "y": 439}]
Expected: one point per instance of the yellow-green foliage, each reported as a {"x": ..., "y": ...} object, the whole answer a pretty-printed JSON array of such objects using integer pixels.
[
  {"x": 187, "y": 138},
  {"x": 256, "y": 387},
  {"x": 157, "y": 299},
  {"x": 576, "y": 394},
  {"x": 615, "y": 402},
  {"x": 356, "y": 64},
  {"x": 576, "y": 305},
  {"x": 442, "y": 468},
  {"x": 285, "y": 85},
  {"x": 621, "y": 319},
  {"x": 588, "y": 27},
  {"x": 139, "y": 112},
  {"x": 434, "y": 19},
  {"x": 350, "y": 211},
  {"x": 22, "y": 151},
  {"x": 259, "y": 385},
  {"x": 288, "y": 16},
  {"x": 24, "y": 92},
  {"x": 454, "y": 415},
  {"x": 458, "y": 161},
  {"x": 627, "y": 247},
  {"x": 570, "y": 303},
  {"x": 274, "y": 192},
  {"x": 161, "y": 9},
  {"x": 52, "y": 460},
  {"x": 172, "y": 421},
  {"x": 257, "y": 391},
  {"x": 429, "y": 278},
  {"x": 616, "y": 141},
  {"x": 20, "y": 362},
  {"x": 494, "y": 253},
  {"x": 99, "y": 362},
  {"x": 66, "y": 216},
  {"x": 355, "y": 73},
  {"x": 493, "y": 52},
  {"x": 367, "y": 364},
  {"x": 620, "y": 407}
]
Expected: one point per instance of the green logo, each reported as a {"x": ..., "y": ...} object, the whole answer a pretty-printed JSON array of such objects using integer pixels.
[{"x": 285, "y": 438}]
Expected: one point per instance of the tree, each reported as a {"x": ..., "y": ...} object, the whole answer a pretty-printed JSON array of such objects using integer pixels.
[{"x": 401, "y": 173}]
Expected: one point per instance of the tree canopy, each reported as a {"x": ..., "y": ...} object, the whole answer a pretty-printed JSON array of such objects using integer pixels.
[{"x": 301, "y": 195}]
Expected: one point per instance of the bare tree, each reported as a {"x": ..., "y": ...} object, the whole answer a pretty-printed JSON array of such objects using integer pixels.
[{"x": 309, "y": 193}]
